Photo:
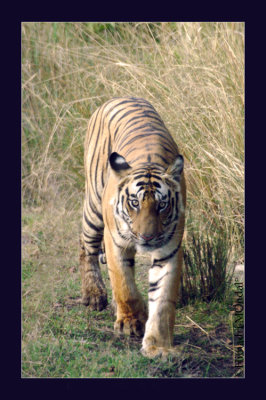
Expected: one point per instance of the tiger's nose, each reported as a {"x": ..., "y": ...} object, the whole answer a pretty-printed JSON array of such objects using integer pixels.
[{"x": 147, "y": 238}]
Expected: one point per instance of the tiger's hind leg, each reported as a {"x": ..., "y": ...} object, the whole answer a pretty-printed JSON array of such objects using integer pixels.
[{"x": 94, "y": 293}]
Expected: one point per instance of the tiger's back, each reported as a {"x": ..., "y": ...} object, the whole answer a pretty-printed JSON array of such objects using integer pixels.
[
  {"x": 135, "y": 199},
  {"x": 131, "y": 127}
]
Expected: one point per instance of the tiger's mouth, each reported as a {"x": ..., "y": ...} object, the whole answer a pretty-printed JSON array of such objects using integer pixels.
[{"x": 149, "y": 242}]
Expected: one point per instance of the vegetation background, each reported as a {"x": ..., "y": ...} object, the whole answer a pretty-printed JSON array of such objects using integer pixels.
[{"x": 193, "y": 74}]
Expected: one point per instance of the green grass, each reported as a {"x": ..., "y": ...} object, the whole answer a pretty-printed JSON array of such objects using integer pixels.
[{"x": 193, "y": 74}]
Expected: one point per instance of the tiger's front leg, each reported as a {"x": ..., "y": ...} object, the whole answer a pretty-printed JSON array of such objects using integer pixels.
[
  {"x": 164, "y": 283},
  {"x": 131, "y": 314}
]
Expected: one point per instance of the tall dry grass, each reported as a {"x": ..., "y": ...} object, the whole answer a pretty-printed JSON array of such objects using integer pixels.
[{"x": 193, "y": 74}]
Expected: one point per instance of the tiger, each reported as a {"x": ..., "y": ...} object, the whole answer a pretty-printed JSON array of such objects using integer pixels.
[{"x": 135, "y": 199}]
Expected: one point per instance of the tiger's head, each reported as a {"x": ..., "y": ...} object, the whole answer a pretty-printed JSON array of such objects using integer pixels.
[{"x": 147, "y": 202}]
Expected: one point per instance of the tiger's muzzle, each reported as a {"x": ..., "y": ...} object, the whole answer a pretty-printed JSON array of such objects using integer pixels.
[{"x": 147, "y": 226}]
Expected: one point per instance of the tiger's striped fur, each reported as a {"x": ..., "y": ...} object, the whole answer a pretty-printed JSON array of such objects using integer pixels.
[{"x": 135, "y": 200}]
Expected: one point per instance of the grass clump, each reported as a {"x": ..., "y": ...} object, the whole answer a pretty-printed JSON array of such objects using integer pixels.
[{"x": 206, "y": 275}]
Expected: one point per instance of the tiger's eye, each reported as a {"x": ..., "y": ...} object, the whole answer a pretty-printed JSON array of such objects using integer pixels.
[
  {"x": 135, "y": 203},
  {"x": 162, "y": 204}
]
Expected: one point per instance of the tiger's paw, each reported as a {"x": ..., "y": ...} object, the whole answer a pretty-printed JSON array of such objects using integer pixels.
[
  {"x": 130, "y": 326},
  {"x": 155, "y": 351},
  {"x": 151, "y": 349},
  {"x": 95, "y": 301}
]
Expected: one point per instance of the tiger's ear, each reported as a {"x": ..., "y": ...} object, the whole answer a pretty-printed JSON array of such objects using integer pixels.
[
  {"x": 176, "y": 168},
  {"x": 119, "y": 164}
]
